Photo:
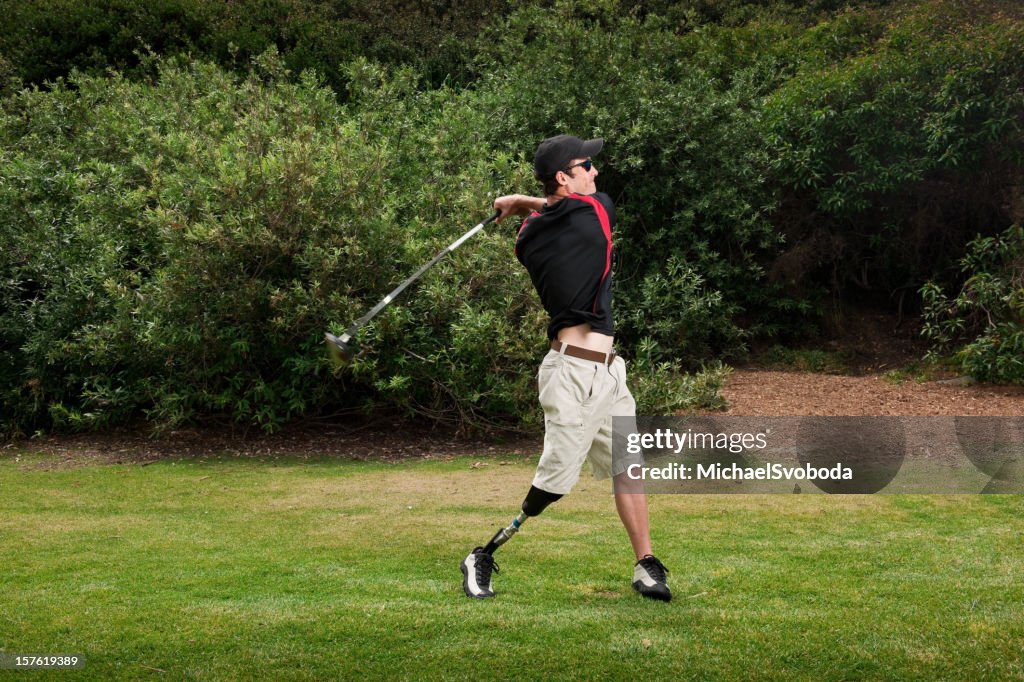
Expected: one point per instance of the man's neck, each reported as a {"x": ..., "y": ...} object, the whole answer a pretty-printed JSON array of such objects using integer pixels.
[{"x": 562, "y": 193}]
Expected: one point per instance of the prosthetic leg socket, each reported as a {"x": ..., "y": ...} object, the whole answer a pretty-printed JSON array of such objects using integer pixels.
[
  {"x": 536, "y": 501},
  {"x": 505, "y": 534}
]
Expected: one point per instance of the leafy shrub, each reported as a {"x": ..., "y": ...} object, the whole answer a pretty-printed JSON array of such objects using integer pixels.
[
  {"x": 984, "y": 322},
  {"x": 178, "y": 247},
  {"x": 818, "y": 361},
  {"x": 777, "y": 166},
  {"x": 735, "y": 13},
  {"x": 682, "y": 159},
  {"x": 46, "y": 39},
  {"x": 176, "y": 236},
  {"x": 886, "y": 159},
  {"x": 662, "y": 387}
]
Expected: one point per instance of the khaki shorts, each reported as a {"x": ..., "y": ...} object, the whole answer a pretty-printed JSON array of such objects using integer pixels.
[{"x": 579, "y": 398}]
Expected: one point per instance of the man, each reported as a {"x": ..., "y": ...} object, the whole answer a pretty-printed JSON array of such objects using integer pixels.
[{"x": 566, "y": 245}]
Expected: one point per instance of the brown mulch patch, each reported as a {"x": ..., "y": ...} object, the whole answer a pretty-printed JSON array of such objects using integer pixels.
[
  {"x": 871, "y": 343},
  {"x": 754, "y": 393}
]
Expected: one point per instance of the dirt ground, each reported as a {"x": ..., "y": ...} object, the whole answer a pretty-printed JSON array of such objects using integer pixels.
[
  {"x": 753, "y": 392},
  {"x": 750, "y": 392},
  {"x": 871, "y": 345},
  {"x": 379, "y": 440},
  {"x": 875, "y": 348}
]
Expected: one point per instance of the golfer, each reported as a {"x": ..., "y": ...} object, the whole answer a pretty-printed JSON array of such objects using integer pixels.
[{"x": 565, "y": 244}]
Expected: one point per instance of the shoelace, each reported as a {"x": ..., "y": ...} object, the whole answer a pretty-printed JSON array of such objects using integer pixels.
[
  {"x": 485, "y": 563},
  {"x": 654, "y": 567}
]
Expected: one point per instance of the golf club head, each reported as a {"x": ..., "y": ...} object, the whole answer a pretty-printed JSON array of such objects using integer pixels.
[{"x": 341, "y": 351}]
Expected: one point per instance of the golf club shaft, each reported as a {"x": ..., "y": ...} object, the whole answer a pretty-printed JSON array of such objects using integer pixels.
[{"x": 354, "y": 327}]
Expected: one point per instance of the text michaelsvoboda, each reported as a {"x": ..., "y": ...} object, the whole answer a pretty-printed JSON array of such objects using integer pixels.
[{"x": 734, "y": 472}]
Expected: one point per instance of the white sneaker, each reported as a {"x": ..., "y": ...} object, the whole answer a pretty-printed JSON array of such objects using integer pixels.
[{"x": 476, "y": 574}]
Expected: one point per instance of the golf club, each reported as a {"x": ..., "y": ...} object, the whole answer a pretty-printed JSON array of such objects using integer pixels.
[{"x": 341, "y": 346}]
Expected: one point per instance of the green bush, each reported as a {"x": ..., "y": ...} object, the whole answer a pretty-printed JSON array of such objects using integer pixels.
[
  {"x": 682, "y": 159},
  {"x": 763, "y": 169},
  {"x": 181, "y": 247},
  {"x": 735, "y": 13},
  {"x": 984, "y": 323},
  {"x": 177, "y": 235},
  {"x": 888, "y": 159},
  {"x": 45, "y": 39},
  {"x": 177, "y": 248}
]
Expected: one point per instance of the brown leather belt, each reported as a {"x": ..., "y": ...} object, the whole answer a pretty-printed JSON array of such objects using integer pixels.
[{"x": 583, "y": 353}]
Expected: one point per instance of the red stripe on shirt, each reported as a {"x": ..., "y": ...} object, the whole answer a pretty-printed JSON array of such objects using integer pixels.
[
  {"x": 515, "y": 249},
  {"x": 602, "y": 217}
]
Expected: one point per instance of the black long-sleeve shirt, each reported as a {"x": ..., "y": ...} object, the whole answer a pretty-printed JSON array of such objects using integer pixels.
[{"x": 567, "y": 249}]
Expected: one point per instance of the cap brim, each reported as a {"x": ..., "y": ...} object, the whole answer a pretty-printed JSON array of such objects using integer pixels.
[{"x": 591, "y": 147}]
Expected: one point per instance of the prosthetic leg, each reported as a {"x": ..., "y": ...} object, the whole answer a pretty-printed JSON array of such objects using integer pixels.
[
  {"x": 536, "y": 501},
  {"x": 477, "y": 567}
]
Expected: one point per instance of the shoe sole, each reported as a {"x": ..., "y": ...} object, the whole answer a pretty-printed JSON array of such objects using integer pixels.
[
  {"x": 465, "y": 585},
  {"x": 658, "y": 596}
]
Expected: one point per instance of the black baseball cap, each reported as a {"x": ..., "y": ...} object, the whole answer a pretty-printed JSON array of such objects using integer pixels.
[{"x": 555, "y": 153}]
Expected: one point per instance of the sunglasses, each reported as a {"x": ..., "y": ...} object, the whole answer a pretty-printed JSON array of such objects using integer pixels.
[{"x": 587, "y": 165}]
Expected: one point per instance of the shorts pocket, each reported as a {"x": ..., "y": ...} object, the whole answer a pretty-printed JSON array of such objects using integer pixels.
[
  {"x": 582, "y": 381},
  {"x": 558, "y": 398},
  {"x": 563, "y": 457}
]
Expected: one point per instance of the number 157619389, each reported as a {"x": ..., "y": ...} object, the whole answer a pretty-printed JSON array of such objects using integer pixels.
[{"x": 26, "y": 661}]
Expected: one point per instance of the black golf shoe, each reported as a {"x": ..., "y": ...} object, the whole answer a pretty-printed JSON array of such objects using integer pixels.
[
  {"x": 649, "y": 579},
  {"x": 476, "y": 574}
]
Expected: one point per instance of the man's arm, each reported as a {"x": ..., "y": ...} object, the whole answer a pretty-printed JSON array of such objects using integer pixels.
[{"x": 517, "y": 204}]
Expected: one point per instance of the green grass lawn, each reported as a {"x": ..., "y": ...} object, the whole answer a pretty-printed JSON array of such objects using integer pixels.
[{"x": 323, "y": 569}]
